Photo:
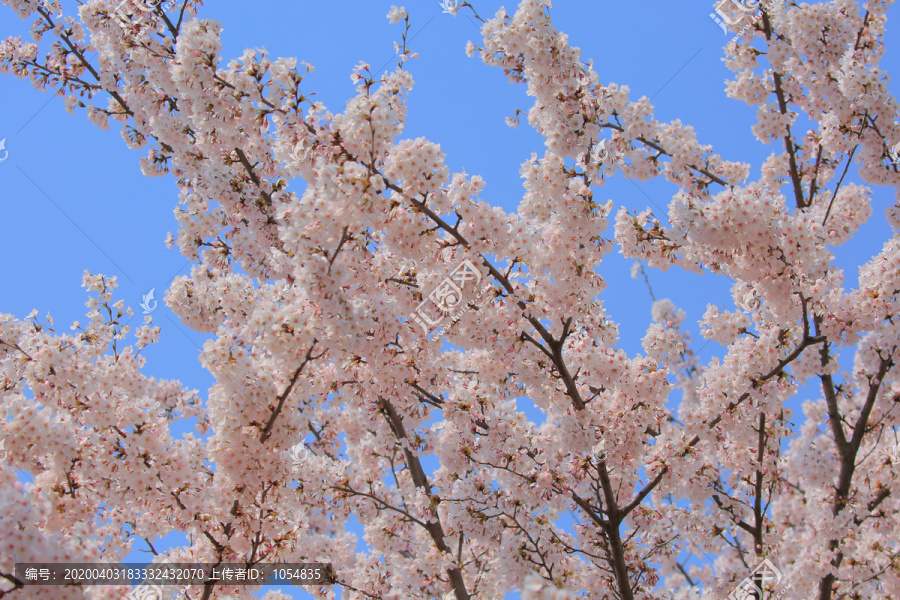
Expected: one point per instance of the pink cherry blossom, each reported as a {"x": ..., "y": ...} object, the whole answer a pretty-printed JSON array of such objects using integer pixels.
[{"x": 307, "y": 298}]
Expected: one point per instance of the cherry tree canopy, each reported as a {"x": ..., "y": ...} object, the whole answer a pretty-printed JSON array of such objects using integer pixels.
[{"x": 342, "y": 373}]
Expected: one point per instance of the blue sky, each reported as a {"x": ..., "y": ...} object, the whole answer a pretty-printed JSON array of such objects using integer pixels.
[{"x": 73, "y": 196}]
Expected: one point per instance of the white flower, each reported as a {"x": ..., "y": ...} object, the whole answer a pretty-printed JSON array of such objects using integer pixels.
[{"x": 396, "y": 14}]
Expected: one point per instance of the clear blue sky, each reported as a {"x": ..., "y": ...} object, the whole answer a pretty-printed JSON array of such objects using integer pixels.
[{"x": 73, "y": 196}]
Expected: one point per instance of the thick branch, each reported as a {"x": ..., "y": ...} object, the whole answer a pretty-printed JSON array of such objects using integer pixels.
[{"x": 420, "y": 480}]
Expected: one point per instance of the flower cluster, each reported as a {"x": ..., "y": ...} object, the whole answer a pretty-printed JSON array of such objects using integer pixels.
[{"x": 428, "y": 446}]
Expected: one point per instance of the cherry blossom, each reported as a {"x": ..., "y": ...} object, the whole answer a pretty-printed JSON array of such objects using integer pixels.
[{"x": 328, "y": 404}]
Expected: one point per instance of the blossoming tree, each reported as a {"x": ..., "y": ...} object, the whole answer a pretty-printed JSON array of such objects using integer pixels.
[{"x": 333, "y": 388}]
